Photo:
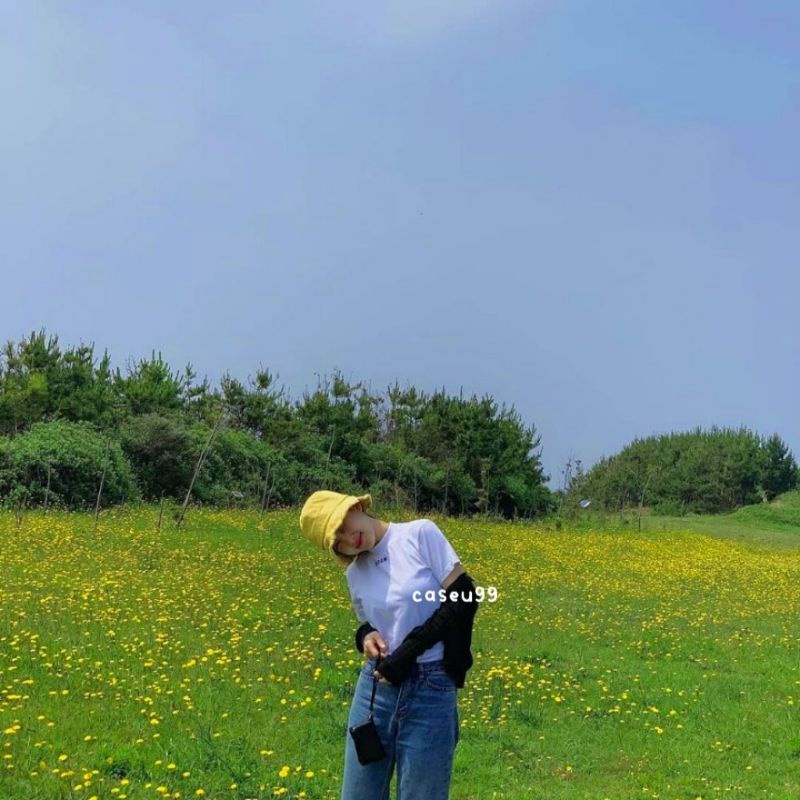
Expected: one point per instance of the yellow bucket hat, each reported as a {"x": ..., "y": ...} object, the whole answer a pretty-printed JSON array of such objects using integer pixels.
[{"x": 322, "y": 515}]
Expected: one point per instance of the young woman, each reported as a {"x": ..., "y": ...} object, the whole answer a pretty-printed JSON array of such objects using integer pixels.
[{"x": 417, "y": 644}]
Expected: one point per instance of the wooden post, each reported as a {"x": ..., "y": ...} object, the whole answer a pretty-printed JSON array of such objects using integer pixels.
[
  {"x": 102, "y": 481},
  {"x": 197, "y": 468},
  {"x": 271, "y": 487},
  {"x": 47, "y": 489},
  {"x": 641, "y": 499},
  {"x": 161, "y": 511},
  {"x": 328, "y": 460},
  {"x": 264, "y": 492}
]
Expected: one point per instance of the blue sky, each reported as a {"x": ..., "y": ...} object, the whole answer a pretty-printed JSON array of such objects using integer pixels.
[{"x": 587, "y": 210}]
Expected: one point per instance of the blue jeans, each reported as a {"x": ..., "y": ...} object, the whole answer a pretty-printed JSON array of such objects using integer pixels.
[{"x": 418, "y": 725}]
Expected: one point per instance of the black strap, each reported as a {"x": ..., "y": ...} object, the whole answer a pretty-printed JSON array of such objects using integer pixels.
[{"x": 374, "y": 684}]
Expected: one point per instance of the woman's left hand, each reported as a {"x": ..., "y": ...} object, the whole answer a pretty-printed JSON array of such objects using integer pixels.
[{"x": 380, "y": 677}]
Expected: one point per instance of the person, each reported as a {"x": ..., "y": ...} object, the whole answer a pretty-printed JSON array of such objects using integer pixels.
[{"x": 418, "y": 648}]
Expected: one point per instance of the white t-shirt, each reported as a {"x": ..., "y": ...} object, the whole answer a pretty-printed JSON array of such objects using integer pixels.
[{"x": 410, "y": 556}]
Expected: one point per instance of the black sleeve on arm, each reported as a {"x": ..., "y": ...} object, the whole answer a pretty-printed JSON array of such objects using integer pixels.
[
  {"x": 362, "y": 631},
  {"x": 450, "y": 614}
]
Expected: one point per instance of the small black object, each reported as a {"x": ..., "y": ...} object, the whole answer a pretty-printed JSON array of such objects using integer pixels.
[{"x": 369, "y": 746}]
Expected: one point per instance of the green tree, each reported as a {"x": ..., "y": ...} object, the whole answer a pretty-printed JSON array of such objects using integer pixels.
[
  {"x": 150, "y": 386},
  {"x": 779, "y": 470}
]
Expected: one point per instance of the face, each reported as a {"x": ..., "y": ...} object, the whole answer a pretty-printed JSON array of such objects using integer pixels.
[{"x": 356, "y": 533}]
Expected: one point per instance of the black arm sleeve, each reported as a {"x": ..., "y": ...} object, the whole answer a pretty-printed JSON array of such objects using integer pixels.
[
  {"x": 362, "y": 631},
  {"x": 452, "y": 614}
]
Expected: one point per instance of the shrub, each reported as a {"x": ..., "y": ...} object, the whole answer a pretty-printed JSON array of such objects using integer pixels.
[
  {"x": 161, "y": 452},
  {"x": 75, "y": 454}
]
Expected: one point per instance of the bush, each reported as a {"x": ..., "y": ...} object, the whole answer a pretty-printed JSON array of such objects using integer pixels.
[
  {"x": 236, "y": 467},
  {"x": 75, "y": 454},
  {"x": 161, "y": 452}
]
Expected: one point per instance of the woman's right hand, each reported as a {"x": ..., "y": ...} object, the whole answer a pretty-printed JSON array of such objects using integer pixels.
[{"x": 374, "y": 645}]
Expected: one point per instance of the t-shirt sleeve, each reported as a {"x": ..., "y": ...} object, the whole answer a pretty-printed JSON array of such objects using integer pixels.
[
  {"x": 359, "y": 610},
  {"x": 356, "y": 605},
  {"x": 436, "y": 551}
]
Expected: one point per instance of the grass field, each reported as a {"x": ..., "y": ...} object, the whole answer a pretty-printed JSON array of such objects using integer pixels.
[
  {"x": 218, "y": 661},
  {"x": 775, "y": 524}
]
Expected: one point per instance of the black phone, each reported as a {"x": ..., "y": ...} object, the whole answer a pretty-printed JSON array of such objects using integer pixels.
[{"x": 369, "y": 746}]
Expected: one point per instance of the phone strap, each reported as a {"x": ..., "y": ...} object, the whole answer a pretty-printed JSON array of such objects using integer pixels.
[{"x": 374, "y": 684}]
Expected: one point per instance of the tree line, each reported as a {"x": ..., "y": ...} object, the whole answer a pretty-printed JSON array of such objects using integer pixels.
[
  {"x": 70, "y": 421},
  {"x": 76, "y": 432},
  {"x": 701, "y": 471}
]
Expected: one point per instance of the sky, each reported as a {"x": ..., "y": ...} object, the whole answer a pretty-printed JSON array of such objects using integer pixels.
[{"x": 588, "y": 211}]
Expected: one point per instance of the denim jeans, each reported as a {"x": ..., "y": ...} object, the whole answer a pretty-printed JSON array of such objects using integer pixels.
[{"x": 418, "y": 725}]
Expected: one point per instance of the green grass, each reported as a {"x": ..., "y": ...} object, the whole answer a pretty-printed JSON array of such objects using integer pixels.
[
  {"x": 783, "y": 513},
  {"x": 614, "y": 664},
  {"x": 775, "y": 524}
]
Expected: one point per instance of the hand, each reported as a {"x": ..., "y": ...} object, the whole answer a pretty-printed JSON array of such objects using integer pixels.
[
  {"x": 374, "y": 645},
  {"x": 380, "y": 677}
]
